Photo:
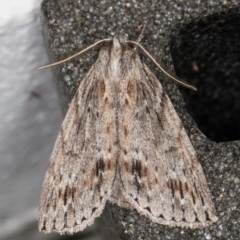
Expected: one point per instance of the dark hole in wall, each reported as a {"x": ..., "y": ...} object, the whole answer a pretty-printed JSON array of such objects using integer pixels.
[{"x": 206, "y": 54}]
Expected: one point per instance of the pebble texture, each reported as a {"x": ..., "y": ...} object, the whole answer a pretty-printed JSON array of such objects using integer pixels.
[{"x": 200, "y": 41}]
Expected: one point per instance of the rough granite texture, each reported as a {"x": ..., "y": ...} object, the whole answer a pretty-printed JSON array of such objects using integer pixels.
[{"x": 201, "y": 40}]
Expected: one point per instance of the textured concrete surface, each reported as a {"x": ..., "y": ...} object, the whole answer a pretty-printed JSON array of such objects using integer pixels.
[{"x": 198, "y": 38}]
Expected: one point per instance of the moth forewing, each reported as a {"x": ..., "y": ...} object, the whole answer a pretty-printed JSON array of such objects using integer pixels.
[{"x": 122, "y": 141}]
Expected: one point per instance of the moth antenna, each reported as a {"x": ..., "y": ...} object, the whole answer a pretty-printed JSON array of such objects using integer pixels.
[
  {"x": 73, "y": 56},
  {"x": 163, "y": 68},
  {"x": 141, "y": 34}
]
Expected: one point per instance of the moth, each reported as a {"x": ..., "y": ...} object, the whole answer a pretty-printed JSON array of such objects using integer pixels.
[{"x": 122, "y": 141}]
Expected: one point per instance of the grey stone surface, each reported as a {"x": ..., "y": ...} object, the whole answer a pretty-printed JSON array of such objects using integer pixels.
[{"x": 190, "y": 34}]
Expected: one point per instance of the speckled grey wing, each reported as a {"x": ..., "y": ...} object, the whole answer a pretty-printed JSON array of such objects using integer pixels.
[
  {"x": 159, "y": 171},
  {"x": 80, "y": 174}
]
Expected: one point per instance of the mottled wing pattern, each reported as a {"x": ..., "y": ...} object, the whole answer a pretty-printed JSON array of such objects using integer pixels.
[
  {"x": 159, "y": 171},
  {"x": 82, "y": 165}
]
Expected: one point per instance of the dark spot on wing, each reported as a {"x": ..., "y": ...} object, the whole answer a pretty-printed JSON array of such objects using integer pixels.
[
  {"x": 126, "y": 101},
  {"x": 137, "y": 168},
  {"x": 44, "y": 225},
  {"x": 110, "y": 149},
  {"x": 59, "y": 193},
  {"x": 131, "y": 88},
  {"x": 145, "y": 172},
  {"x": 126, "y": 164},
  {"x": 102, "y": 88},
  {"x": 73, "y": 193},
  {"x": 67, "y": 194},
  {"x": 125, "y": 152},
  {"x": 147, "y": 110},
  {"x": 172, "y": 149},
  {"x": 106, "y": 100},
  {"x": 207, "y": 216},
  {"x": 181, "y": 189},
  {"x": 159, "y": 119},
  {"x": 196, "y": 217},
  {"x": 203, "y": 203},
  {"x": 161, "y": 216},
  {"x": 175, "y": 185},
  {"x": 192, "y": 165},
  {"x": 136, "y": 199},
  {"x": 125, "y": 131},
  {"x": 100, "y": 165},
  {"x": 143, "y": 90},
  {"x": 193, "y": 197},
  {"x": 171, "y": 184},
  {"x": 164, "y": 100},
  {"x": 186, "y": 187},
  {"x": 148, "y": 209},
  {"x": 93, "y": 210},
  {"x": 109, "y": 165}
]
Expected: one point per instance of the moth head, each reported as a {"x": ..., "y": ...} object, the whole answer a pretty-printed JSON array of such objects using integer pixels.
[{"x": 119, "y": 40}]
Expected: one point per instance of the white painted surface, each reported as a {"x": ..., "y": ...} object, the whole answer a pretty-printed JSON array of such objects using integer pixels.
[{"x": 28, "y": 128}]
